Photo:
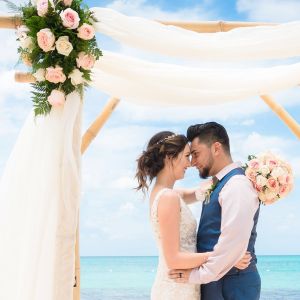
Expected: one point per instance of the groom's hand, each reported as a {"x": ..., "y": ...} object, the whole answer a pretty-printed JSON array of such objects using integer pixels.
[
  {"x": 180, "y": 276},
  {"x": 244, "y": 262}
]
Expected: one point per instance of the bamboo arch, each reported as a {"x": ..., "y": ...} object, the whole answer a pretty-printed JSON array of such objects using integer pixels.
[{"x": 12, "y": 22}]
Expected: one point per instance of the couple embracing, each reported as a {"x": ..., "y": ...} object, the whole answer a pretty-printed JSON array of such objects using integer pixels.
[{"x": 217, "y": 261}]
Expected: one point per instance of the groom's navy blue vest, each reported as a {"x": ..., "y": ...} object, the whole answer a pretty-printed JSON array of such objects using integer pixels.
[{"x": 210, "y": 222}]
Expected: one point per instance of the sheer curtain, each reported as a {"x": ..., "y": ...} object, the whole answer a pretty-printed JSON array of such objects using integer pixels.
[
  {"x": 39, "y": 200},
  {"x": 247, "y": 43},
  {"x": 145, "y": 82}
]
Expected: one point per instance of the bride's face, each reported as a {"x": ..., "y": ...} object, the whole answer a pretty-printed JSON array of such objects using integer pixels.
[{"x": 181, "y": 163}]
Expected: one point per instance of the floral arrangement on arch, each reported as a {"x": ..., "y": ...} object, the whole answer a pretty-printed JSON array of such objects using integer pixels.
[
  {"x": 271, "y": 176},
  {"x": 57, "y": 40}
]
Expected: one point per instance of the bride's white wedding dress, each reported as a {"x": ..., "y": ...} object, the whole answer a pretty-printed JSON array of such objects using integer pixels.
[{"x": 164, "y": 288}]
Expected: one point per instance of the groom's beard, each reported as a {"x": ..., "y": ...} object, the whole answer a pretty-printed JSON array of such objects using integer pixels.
[{"x": 205, "y": 172}]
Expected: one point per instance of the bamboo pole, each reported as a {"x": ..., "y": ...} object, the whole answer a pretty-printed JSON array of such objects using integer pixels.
[
  {"x": 282, "y": 114},
  {"x": 24, "y": 77},
  {"x": 93, "y": 130},
  {"x": 11, "y": 22},
  {"x": 90, "y": 134},
  {"x": 213, "y": 26},
  {"x": 76, "y": 288}
]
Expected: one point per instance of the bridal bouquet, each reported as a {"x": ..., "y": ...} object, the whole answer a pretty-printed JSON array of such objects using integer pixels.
[
  {"x": 57, "y": 40},
  {"x": 271, "y": 176}
]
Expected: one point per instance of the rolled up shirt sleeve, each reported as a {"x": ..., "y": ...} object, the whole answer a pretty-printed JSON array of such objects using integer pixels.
[{"x": 239, "y": 203}]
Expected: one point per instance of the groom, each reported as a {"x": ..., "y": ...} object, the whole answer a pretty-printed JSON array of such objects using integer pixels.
[{"x": 228, "y": 220}]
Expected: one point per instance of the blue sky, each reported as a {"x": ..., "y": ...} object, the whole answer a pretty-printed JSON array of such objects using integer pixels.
[{"x": 114, "y": 218}]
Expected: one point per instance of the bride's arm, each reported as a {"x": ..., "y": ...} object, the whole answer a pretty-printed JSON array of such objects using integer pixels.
[{"x": 169, "y": 220}]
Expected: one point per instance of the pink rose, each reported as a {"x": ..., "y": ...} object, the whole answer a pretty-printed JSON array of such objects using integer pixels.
[
  {"x": 284, "y": 190},
  {"x": 55, "y": 75},
  {"x": 85, "y": 61},
  {"x": 284, "y": 179},
  {"x": 42, "y": 7},
  {"x": 70, "y": 18},
  {"x": 46, "y": 39},
  {"x": 251, "y": 174},
  {"x": 272, "y": 184},
  {"x": 272, "y": 163},
  {"x": 86, "y": 32},
  {"x": 254, "y": 164},
  {"x": 257, "y": 187},
  {"x": 68, "y": 2},
  {"x": 56, "y": 98}
]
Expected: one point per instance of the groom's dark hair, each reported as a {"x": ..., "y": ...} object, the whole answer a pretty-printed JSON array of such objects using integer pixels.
[{"x": 209, "y": 133}]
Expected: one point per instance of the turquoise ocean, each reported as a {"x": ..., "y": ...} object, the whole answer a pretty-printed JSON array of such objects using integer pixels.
[{"x": 130, "y": 278}]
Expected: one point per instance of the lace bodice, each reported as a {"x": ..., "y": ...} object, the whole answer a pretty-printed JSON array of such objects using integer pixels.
[{"x": 163, "y": 287}]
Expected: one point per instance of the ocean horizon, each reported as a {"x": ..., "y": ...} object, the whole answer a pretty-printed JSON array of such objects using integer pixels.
[{"x": 131, "y": 277}]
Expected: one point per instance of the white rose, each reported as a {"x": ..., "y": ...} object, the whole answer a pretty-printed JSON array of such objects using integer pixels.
[
  {"x": 63, "y": 46},
  {"x": 34, "y": 2},
  {"x": 277, "y": 171},
  {"x": 270, "y": 196},
  {"x": 261, "y": 180},
  {"x": 39, "y": 75},
  {"x": 26, "y": 43},
  {"x": 262, "y": 197},
  {"x": 76, "y": 77},
  {"x": 22, "y": 31},
  {"x": 264, "y": 170}
]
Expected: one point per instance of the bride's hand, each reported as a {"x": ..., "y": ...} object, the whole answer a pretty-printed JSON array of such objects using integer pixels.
[{"x": 244, "y": 262}]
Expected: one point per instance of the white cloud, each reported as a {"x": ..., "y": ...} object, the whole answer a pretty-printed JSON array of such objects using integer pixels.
[
  {"x": 127, "y": 216},
  {"x": 270, "y": 10},
  {"x": 124, "y": 182},
  {"x": 9, "y": 47},
  {"x": 248, "y": 122},
  {"x": 255, "y": 143},
  {"x": 14, "y": 104},
  {"x": 10, "y": 88}
]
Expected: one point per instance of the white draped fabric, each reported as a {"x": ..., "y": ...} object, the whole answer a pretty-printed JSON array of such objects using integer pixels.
[
  {"x": 145, "y": 83},
  {"x": 39, "y": 200},
  {"x": 249, "y": 43}
]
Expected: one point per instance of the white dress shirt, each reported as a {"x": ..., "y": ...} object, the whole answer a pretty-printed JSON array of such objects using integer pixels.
[{"x": 239, "y": 203}]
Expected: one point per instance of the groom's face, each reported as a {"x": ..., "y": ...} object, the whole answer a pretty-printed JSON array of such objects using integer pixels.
[{"x": 202, "y": 157}]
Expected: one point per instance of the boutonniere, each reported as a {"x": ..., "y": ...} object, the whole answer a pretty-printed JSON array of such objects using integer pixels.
[
  {"x": 209, "y": 191},
  {"x": 205, "y": 190}
]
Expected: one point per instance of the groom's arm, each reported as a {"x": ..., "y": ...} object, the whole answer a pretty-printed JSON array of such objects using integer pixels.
[
  {"x": 193, "y": 194},
  {"x": 239, "y": 203},
  {"x": 188, "y": 195}
]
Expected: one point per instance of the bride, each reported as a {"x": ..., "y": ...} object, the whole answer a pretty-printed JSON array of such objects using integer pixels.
[{"x": 166, "y": 160}]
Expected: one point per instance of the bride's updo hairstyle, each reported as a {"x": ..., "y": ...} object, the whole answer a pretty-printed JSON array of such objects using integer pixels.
[{"x": 151, "y": 161}]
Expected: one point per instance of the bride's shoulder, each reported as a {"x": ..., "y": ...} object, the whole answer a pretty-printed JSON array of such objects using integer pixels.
[{"x": 168, "y": 199}]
